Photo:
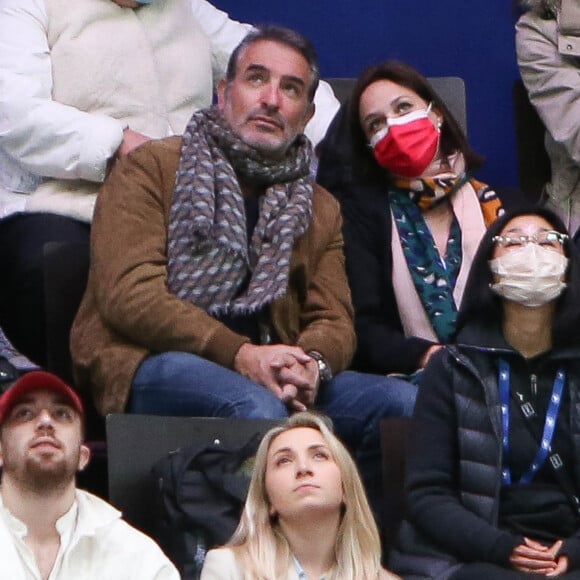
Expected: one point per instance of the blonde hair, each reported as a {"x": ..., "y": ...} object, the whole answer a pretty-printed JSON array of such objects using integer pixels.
[{"x": 258, "y": 543}]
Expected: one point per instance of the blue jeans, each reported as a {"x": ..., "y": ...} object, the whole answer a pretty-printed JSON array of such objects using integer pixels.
[{"x": 178, "y": 383}]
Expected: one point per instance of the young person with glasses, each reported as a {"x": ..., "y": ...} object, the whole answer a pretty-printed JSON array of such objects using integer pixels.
[{"x": 493, "y": 472}]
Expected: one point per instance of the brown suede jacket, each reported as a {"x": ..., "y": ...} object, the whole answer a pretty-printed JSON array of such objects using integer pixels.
[{"x": 128, "y": 313}]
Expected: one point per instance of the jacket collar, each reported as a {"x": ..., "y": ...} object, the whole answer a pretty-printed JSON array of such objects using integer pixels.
[
  {"x": 489, "y": 338},
  {"x": 86, "y": 517},
  {"x": 93, "y": 514}
]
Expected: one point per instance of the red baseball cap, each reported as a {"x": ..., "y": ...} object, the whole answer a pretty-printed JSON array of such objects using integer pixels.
[{"x": 38, "y": 381}]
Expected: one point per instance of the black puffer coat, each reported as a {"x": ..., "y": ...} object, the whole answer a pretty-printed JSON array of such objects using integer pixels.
[{"x": 454, "y": 469}]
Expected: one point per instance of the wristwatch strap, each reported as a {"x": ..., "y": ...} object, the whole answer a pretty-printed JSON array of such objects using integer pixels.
[{"x": 324, "y": 370}]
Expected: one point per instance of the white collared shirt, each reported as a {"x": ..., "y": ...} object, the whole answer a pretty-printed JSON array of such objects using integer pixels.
[
  {"x": 96, "y": 544},
  {"x": 302, "y": 574},
  {"x": 65, "y": 527}
]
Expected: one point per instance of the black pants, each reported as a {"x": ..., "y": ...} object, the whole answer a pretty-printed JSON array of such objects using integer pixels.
[
  {"x": 22, "y": 302},
  {"x": 482, "y": 571}
]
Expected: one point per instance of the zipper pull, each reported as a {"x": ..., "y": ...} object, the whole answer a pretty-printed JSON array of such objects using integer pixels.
[{"x": 534, "y": 384}]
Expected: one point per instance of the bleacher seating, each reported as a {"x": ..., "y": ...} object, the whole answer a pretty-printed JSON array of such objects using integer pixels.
[{"x": 135, "y": 442}]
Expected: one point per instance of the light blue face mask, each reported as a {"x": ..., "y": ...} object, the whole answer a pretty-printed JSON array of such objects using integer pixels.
[{"x": 144, "y": 1}]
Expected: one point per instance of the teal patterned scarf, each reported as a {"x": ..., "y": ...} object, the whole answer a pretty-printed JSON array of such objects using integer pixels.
[{"x": 434, "y": 279}]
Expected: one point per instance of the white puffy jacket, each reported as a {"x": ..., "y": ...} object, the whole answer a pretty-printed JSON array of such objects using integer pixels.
[{"x": 73, "y": 75}]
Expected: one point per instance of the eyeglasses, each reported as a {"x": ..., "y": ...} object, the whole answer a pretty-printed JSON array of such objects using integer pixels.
[{"x": 549, "y": 239}]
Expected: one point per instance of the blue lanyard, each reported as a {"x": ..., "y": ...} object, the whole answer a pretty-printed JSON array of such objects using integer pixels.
[{"x": 549, "y": 425}]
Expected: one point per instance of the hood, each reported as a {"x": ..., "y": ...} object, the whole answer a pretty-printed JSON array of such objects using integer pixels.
[
  {"x": 547, "y": 9},
  {"x": 482, "y": 336}
]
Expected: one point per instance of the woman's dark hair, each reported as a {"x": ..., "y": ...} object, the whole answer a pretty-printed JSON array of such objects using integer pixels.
[
  {"x": 483, "y": 307},
  {"x": 452, "y": 137}
]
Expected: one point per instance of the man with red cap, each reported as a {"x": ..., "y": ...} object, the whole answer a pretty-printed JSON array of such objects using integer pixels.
[{"x": 49, "y": 529}]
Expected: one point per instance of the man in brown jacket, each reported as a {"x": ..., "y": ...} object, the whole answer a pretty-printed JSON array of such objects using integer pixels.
[{"x": 217, "y": 283}]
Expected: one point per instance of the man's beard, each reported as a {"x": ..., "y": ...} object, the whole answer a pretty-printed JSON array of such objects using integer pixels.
[{"x": 36, "y": 477}]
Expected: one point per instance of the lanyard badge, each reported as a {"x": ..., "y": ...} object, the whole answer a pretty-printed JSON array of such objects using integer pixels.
[{"x": 528, "y": 411}]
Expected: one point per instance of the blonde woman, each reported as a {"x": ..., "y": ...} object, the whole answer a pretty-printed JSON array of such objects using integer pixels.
[{"x": 306, "y": 516}]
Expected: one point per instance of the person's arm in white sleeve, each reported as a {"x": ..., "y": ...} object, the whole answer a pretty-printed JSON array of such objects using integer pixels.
[
  {"x": 552, "y": 81},
  {"x": 225, "y": 34},
  {"x": 46, "y": 137},
  {"x": 326, "y": 106}
]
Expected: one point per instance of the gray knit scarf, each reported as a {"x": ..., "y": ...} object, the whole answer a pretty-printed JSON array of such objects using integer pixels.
[{"x": 209, "y": 258}]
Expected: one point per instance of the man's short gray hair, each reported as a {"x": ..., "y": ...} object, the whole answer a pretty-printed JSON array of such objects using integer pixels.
[{"x": 285, "y": 36}]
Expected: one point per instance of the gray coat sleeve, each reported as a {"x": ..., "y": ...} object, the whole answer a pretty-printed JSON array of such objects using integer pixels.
[{"x": 551, "y": 79}]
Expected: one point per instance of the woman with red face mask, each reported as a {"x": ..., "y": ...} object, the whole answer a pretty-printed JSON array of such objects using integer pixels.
[{"x": 413, "y": 215}]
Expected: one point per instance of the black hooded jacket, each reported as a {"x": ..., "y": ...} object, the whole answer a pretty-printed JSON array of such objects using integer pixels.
[{"x": 454, "y": 470}]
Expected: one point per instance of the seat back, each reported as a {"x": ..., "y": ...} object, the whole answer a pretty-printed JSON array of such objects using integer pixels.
[
  {"x": 342, "y": 87},
  {"x": 452, "y": 93},
  {"x": 65, "y": 268},
  {"x": 534, "y": 169},
  {"x": 65, "y": 271},
  {"x": 136, "y": 442},
  {"x": 450, "y": 89},
  {"x": 394, "y": 434}
]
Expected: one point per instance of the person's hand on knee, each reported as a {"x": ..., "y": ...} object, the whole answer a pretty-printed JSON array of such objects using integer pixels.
[
  {"x": 263, "y": 364},
  {"x": 304, "y": 375}
]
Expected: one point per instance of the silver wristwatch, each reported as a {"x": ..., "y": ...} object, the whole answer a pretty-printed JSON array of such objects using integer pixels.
[{"x": 324, "y": 371}]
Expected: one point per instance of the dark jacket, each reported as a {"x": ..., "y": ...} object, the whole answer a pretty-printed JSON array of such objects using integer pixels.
[
  {"x": 454, "y": 470},
  {"x": 382, "y": 345}
]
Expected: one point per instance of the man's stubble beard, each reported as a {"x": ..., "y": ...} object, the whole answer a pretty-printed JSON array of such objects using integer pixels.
[{"x": 36, "y": 477}]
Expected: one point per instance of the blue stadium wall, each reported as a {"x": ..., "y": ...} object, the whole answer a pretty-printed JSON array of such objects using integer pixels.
[{"x": 473, "y": 39}]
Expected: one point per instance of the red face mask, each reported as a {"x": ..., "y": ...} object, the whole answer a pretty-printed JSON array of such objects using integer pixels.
[{"x": 408, "y": 144}]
